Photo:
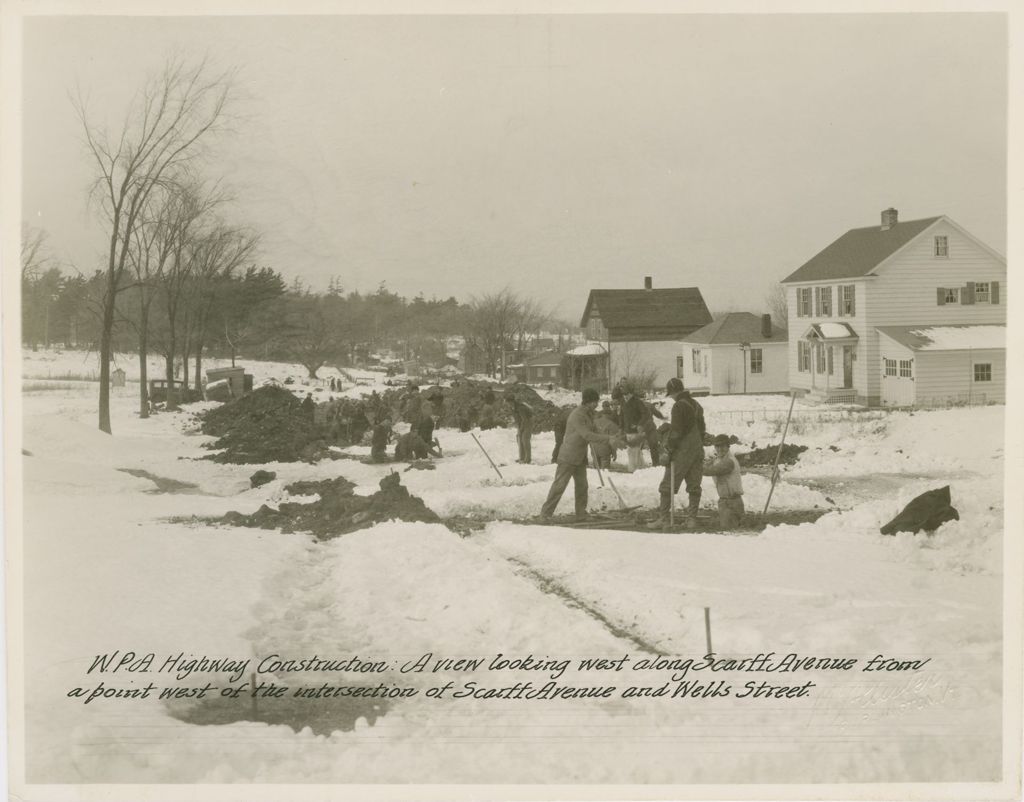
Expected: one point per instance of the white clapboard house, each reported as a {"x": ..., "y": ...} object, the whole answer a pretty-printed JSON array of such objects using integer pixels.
[
  {"x": 737, "y": 352},
  {"x": 901, "y": 313}
]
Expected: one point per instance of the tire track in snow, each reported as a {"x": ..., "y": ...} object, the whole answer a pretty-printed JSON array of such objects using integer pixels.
[{"x": 553, "y": 587}]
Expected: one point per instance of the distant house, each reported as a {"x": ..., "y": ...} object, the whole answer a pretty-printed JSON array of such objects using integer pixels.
[
  {"x": 544, "y": 368},
  {"x": 873, "y": 283},
  {"x": 736, "y": 353},
  {"x": 641, "y": 329}
]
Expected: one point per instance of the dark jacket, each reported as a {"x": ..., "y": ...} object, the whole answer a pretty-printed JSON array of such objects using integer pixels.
[
  {"x": 686, "y": 424},
  {"x": 636, "y": 417}
]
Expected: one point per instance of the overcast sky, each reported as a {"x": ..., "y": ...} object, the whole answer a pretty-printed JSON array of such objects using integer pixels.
[{"x": 552, "y": 154}]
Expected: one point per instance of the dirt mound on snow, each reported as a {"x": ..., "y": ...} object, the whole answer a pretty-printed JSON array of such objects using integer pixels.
[
  {"x": 267, "y": 425},
  {"x": 766, "y": 456},
  {"x": 338, "y": 510},
  {"x": 465, "y": 399}
]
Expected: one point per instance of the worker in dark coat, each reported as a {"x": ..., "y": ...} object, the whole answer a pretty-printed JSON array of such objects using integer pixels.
[
  {"x": 487, "y": 413},
  {"x": 522, "y": 414},
  {"x": 580, "y": 434},
  {"x": 308, "y": 406},
  {"x": 379, "y": 442},
  {"x": 559, "y": 429},
  {"x": 684, "y": 454},
  {"x": 411, "y": 446}
]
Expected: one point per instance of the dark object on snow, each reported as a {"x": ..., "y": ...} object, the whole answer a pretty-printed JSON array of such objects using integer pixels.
[
  {"x": 338, "y": 510},
  {"x": 927, "y": 512},
  {"x": 766, "y": 456},
  {"x": 260, "y": 478}
]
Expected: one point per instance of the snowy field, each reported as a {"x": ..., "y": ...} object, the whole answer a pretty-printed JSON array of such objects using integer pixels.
[{"x": 111, "y": 564}]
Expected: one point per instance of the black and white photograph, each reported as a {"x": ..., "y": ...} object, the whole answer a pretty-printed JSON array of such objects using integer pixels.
[{"x": 512, "y": 403}]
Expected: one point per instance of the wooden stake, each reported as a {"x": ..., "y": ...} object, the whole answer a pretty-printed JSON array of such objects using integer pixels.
[
  {"x": 488, "y": 456},
  {"x": 778, "y": 454},
  {"x": 672, "y": 493},
  {"x": 707, "y": 627}
]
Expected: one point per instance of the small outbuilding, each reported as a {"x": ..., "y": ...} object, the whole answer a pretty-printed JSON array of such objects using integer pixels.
[
  {"x": 735, "y": 353},
  {"x": 925, "y": 366},
  {"x": 235, "y": 378}
]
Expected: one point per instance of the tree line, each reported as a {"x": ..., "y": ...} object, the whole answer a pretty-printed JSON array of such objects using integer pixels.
[{"x": 181, "y": 279}]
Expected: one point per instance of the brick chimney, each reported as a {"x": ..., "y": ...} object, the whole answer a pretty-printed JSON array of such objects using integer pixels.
[
  {"x": 766, "y": 326},
  {"x": 648, "y": 284},
  {"x": 889, "y": 219}
]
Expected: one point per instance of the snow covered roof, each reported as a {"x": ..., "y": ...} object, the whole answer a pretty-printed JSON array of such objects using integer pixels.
[
  {"x": 947, "y": 338},
  {"x": 830, "y": 331},
  {"x": 591, "y": 349}
]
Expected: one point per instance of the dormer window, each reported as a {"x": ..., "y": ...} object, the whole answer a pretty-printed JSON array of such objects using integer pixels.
[{"x": 942, "y": 247}]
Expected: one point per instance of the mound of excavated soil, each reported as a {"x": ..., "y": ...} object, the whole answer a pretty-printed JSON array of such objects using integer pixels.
[
  {"x": 464, "y": 400},
  {"x": 766, "y": 456},
  {"x": 338, "y": 510},
  {"x": 267, "y": 425}
]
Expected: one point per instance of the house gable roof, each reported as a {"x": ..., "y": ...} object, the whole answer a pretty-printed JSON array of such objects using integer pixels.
[
  {"x": 859, "y": 251},
  {"x": 735, "y": 328},
  {"x": 679, "y": 307},
  {"x": 548, "y": 358}
]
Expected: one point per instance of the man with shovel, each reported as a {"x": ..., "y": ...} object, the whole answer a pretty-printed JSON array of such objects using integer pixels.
[
  {"x": 683, "y": 457},
  {"x": 580, "y": 433}
]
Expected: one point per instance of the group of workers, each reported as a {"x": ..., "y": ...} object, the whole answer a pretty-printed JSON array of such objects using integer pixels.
[
  {"x": 421, "y": 412},
  {"x": 681, "y": 453}
]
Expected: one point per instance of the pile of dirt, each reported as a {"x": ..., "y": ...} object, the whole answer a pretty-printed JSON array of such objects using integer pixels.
[
  {"x": 267, "y": 425},
  {"x": 464, "y": 400},
  {"x": 766, "y": 456},
  {"x": 338, "y": 510}
]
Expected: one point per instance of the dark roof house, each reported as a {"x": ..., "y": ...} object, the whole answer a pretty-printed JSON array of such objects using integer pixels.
[
  {"x": 859, "y": 251},
  {"x": 647, "y": 314},
  {"x": 738, "y": 327}
]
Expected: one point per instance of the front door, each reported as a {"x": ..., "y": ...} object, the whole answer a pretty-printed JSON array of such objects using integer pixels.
[{"x": 847, "y": 367}]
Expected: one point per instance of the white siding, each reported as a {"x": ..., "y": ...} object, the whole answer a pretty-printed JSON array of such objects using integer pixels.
[
  {"x": 896, "y": 391},
  {"x": 947, "y": 377},
  {"x": 633, "y": 359},
  {"x": 798, "y": 326},
  {"x": 728, "y": 363},
  {"x": 904, "y": 293},
  {"x": 696, "y": 380}
]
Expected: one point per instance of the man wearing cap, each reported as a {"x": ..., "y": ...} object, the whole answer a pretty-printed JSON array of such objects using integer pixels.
[
  {"x": 684, "y": 454},
  {"x": 580, "y": 433},
  {"x": 728, "y": 482}
]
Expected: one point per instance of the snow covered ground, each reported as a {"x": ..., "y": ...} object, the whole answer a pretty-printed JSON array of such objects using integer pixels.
[{"x": 110, "y": 564}]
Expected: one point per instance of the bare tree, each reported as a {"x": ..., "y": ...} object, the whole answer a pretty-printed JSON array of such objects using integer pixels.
[
  {"x": 775, "y": 302},
  {"x": 150, "y": 249},
  {"x": 222, "y": 252},
  {"x": 41, "y": 282},
  {"x": 492, "y": 326},
  {"x": 188, "y": 220},
  {"x": 162, "y": 134}
]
